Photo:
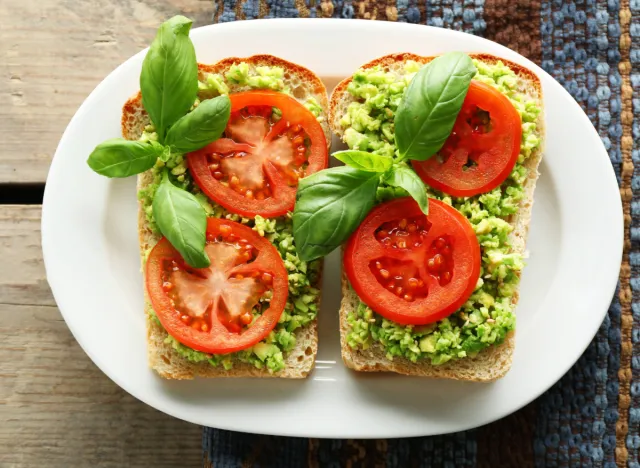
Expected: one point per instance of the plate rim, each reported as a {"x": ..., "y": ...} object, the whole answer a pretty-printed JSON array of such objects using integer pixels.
[{"x": 328, "y": 24}]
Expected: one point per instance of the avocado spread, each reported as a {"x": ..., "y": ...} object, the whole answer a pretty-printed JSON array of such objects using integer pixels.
[
  {"x": 487, "y": 317},
  {"x": 302, "y": 304}
]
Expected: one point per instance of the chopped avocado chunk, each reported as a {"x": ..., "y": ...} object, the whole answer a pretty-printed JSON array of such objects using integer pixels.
[
  {"x": 487, "y": 316},
  {"x": 264, "y": 350}
]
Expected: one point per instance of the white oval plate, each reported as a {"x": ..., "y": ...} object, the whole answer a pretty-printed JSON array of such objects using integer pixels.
[{"x": 90, "y": 245}]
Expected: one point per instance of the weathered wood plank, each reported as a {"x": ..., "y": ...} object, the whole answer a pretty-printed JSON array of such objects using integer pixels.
[
  {"x": 52, "y": 54},
  {"x": 56, "y": 408}
]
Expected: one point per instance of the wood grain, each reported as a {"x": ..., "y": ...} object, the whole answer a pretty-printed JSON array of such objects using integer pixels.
[
  {"x": 52, "y": 54},
  {"x": 56, "y": 408}
]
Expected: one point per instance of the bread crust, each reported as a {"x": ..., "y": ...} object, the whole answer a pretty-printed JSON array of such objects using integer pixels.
[
  {"x": 162, "y": 357},
  {"x": 495, "y": 361}
]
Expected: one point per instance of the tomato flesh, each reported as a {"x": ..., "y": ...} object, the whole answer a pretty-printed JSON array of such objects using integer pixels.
[
  {"x": 482, "y": 149},
  {"x": 411, "y": 268},
  {"x": 254, "y": 169},
  {"x": 218, "y": 309}
]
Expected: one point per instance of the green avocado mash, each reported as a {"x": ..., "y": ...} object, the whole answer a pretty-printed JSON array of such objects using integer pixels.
[
  {"x": 302, "y": 304},
  {"x": 487, "y": 317}
]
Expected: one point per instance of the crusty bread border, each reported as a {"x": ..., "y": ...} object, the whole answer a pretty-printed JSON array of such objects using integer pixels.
[
  {"x": 494, "y": 362},
  {"x": 165, "y": 360}
]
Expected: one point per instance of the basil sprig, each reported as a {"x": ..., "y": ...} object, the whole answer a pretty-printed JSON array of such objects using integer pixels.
[
  {"x": 404, "y": 177},
  {"x": 122, "y": 158},
  {"x": 329, "y": 206},
  {"x": 180, "y": 217},
  {"x": 364, "y": 161},
  {"x": 169, "y": 78},
  {"x": 169, "y": 86},
  {"x": 430, "y": 105},
  {"x": 200, "y": 127},
  {"x": 331, "y": 203}
]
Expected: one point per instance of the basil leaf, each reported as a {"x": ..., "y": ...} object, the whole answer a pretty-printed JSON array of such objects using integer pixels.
[
  {"x": 404, "y": 177},
  {"x": 330, "y": 205},
  {"x": 122, "y": 158},
  {"x": 364, "y": 161},
  {"x": 169, "y": 77},
  {"x": 182, "y": 220},
  {"x": 429, "y": 107},
  {"x": 200, "y": 127}
]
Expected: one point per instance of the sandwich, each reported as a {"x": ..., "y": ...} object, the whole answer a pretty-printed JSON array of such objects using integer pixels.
[
  {"x": 437, "y": 191},
  {"x": 218, "y": 151}
]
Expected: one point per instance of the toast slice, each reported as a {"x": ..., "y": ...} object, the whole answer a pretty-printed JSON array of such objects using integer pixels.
[
  {"x": 495, "y": 361},
  {"x": 163, "y": 358}
]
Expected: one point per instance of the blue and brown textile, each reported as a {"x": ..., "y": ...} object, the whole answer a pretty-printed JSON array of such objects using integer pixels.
[{"x": 591, "y": 417}]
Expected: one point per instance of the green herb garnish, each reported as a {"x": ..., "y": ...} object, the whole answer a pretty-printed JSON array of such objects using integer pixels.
[
  {"x": 169, "y": 86},
  {"x": 330, "y": 204}
]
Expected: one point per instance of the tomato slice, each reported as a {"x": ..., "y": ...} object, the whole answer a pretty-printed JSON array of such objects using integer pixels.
[
  {"x": 210, "y": 309},
  {"x": 254, "y": 169},
  {"x": 482, "y": 149},
  {"x": 411, "y": 268}
]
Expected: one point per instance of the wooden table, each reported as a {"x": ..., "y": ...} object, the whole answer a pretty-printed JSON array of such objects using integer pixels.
[{"x": 56, "y": 408}]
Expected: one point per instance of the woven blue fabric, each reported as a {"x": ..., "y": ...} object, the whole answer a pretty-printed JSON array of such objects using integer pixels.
[{"x": 591, "y": 417}]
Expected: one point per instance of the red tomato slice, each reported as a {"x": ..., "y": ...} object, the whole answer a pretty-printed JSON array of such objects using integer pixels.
[
  {"x": 482, "y": 149},
  {"x": 255, "y": 168},
  {"x": 209, "y": 309},
  {"x": 411, "y": 268}
]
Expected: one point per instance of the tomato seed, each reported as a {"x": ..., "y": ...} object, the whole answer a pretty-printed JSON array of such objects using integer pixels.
[
  {"x": 234, "y": 181},
  {"x": 412, "y": 283},
  {"x": 167, "y": 286},
  {"x": 399, "y": 290},
  {"x": 384, "y": 273},
  {"x": 267, "y": 278},
  {"x": 297, "y": 141},
  {"x": 225, "y": 230},
  {"x": 446, "y": 276},
  {"x": 382, "y": 234},
  {"x": 217, "y": 175},
  {"x": 438, "y": 260},
  {"x": 378, "y": 265},
  {"x": 246, "y": 318},
  {"x": 260, "y": 196},
  {"x": 391, "y": 286},
  {"x": 403, "y": 223},
  {"x": 420, "y": 283},
  {"x": 239, "y": 276},
  {"x": 446, "y": 250},
  {"x": 204, "y": 327},
  {"x": 249, "y": 194},
  {"x": 408, "y": 297},
  {"x": 412, "y": 228},
  {"x": 440, "y": 243},
  {"x": 431, "y": 264},
  {"x": 402, "y": 244}
]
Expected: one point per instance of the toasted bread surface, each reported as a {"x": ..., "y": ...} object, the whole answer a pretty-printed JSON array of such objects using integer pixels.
[
  {"x": 495, "y": 361},
  {"x": 163, "y": 358}
]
